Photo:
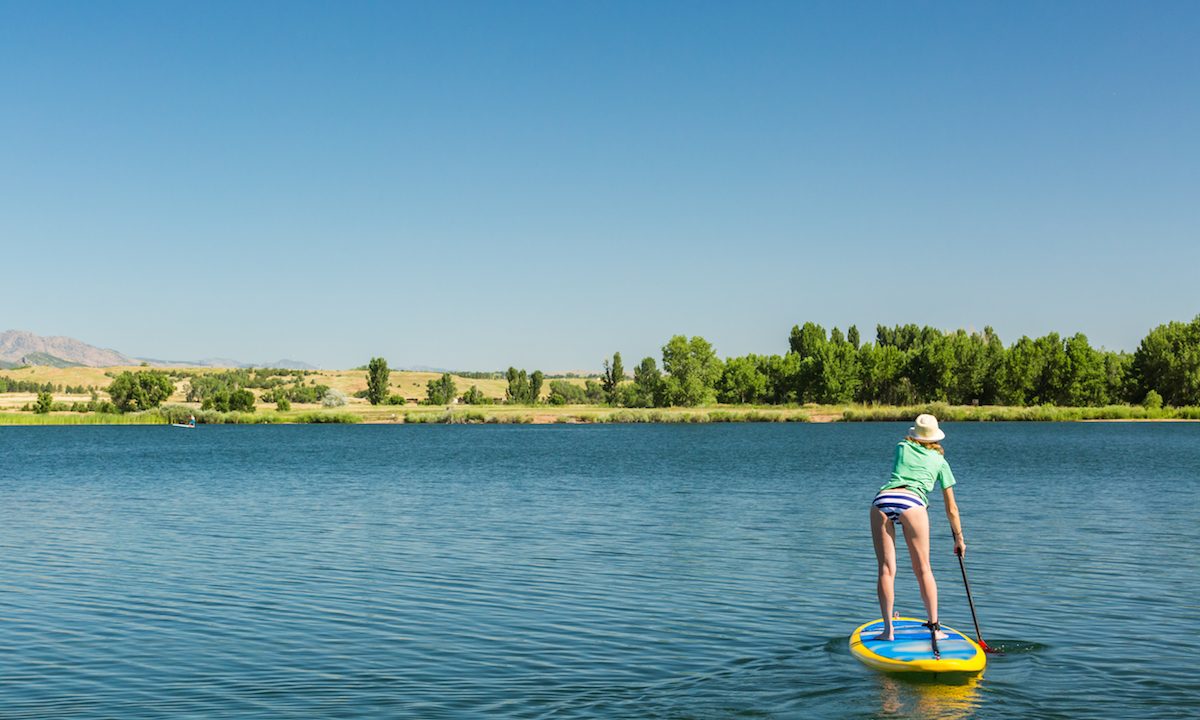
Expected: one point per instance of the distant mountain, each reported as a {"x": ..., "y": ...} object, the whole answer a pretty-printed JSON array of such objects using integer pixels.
[
  {"x": 227, "y": 363},
  {"x": 17, "y": 345},
  {"x": 41, "y": 359},
  {"x": 24, "y": 348},
  {"x": 286, "y": 364}
]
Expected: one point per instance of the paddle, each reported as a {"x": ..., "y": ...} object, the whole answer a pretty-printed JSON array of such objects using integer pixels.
[{"x": 971, "y": 602}]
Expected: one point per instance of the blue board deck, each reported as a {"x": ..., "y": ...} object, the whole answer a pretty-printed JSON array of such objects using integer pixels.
[{"x": 912, "y": 650}]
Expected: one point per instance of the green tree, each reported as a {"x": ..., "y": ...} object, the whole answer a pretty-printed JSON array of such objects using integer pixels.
[
  {"x": 241, "y": 401},
  {"x": 807, "y": 344},
  {"x": 1051, "y": 383},
  {"x": 535, "y": 386},
  {"x": 565, "y": 393},
  {"x": 806, "y": 341},
  {"x": 970, "y": 357},
  {"x": 693, "y": 371},
  {"x": 205, "y": 386},
  {"x": 613, "y": 375},
  {"x": 377, "y": 380},
  {"x": 852, "y": 337},
  {"x": 741, "y": 381},
  {"x": 132, "y": 392},
  {"x": 881, "y": 374},
  {"x": 594, "y": 392},
  {"x": 835, "y": 373},
  {"x": 647, "y": 382},
  {"x": 1168, "y": 362},
  {"x": 931, "y": 369},
  {"x": 282, "y": 405},
  {"x": 44, "y": 402},
  {"x": 1116, "y": 375},
  {"x": 441, "y": 390},
  {"x": 523, "y": 389},
  {"x": 780, "y": 372},
  {"x": 518, "y": 386},
  {"x": 1085, "y": 383},
  {"x": 1022, "y": 366}
]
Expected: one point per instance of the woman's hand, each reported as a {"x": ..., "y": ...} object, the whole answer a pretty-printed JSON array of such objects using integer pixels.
[{"x": 960, "y": 545}]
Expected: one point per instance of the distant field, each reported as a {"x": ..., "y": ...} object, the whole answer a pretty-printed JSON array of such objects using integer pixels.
[{"x": 410, "y": 385}]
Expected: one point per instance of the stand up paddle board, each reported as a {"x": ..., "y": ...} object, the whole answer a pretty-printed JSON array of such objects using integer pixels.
[{"x": 912, "y": 650}]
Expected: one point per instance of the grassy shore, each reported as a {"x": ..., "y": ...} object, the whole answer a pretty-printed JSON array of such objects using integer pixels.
[{"x": 1042, "y": 413}]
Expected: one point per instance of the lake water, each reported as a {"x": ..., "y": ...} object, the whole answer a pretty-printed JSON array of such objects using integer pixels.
[{"x": 622, "y": 571}]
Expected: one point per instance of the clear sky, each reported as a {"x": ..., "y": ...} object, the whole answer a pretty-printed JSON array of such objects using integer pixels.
[{"x": 478, "y": 185}]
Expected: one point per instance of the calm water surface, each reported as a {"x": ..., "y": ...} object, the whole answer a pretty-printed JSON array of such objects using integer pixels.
[{"x": 709, "y": 571}]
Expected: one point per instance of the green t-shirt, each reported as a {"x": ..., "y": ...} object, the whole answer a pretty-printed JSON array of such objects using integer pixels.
[{"x": 919, "y": 469}]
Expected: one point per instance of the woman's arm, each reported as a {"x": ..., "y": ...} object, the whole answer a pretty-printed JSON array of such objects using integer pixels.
[{"x": 960, "y": 545}]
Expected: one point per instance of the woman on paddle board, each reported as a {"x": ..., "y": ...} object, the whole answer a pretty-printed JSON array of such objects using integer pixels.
[{"x": 920, "y": 466}]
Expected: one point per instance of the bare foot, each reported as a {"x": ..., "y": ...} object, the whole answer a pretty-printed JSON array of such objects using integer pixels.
[{"x": 881, "y": 638}]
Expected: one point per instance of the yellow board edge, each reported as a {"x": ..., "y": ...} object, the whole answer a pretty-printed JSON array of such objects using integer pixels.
[{"x": 869, "y": 657}]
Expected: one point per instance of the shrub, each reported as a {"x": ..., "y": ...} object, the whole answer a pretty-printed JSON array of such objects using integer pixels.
[
  {"x": 324, "y": 417},
  {"x": 1153, "y": 400},
  {"x": 334, "y": 398},
  {"x": 282, "y": 405},
  {"x": 396, "y": 400},
  {"x": 508, "y": 418},
  {"x": 418, "y": 418},
  {"x": 44, "y": 401}
]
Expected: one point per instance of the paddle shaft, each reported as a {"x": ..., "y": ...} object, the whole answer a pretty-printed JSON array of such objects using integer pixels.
[{"x": 967, "y": 585}]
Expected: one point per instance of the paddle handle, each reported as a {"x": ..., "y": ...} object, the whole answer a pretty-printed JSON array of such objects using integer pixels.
[{"x": 967, "y": 585}]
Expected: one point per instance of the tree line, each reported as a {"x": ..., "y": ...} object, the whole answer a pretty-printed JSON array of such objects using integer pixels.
[
  {"x": 910, "y": 365},
  {"x": 9, "y": 385},
  {"x": 905, "y": 365}
]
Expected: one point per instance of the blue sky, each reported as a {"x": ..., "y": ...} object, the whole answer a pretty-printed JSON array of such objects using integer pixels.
[{"x": 478, "y": 185}]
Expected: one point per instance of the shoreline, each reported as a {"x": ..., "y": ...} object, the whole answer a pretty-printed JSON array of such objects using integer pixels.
[{"x": 583, "y": 415}]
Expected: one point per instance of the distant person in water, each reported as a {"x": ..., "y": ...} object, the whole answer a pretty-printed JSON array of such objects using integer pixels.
[
  {"x": 920, "y": 465},
  {"x": 192, "y": 422}
]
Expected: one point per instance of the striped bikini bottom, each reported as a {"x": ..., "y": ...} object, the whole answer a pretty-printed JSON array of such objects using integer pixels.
[{"x": 893, "y": 504}]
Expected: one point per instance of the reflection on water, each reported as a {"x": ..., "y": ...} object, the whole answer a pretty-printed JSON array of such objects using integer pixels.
[{"x": 950, "y": 696}]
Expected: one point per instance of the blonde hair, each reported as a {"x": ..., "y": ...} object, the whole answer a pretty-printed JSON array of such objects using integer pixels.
[{"x": 931, "y": 444}]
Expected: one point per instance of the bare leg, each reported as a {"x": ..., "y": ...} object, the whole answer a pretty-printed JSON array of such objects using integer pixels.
[
  {"x": 883, "y": 533},
  {"x": 915, "y": 522}
]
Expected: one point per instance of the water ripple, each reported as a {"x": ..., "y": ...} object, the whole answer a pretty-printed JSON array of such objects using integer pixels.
[{"x": 595, "y": 572}]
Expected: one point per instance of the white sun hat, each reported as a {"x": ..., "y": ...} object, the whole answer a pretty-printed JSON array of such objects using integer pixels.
[{"x": 926, "y": 429}]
